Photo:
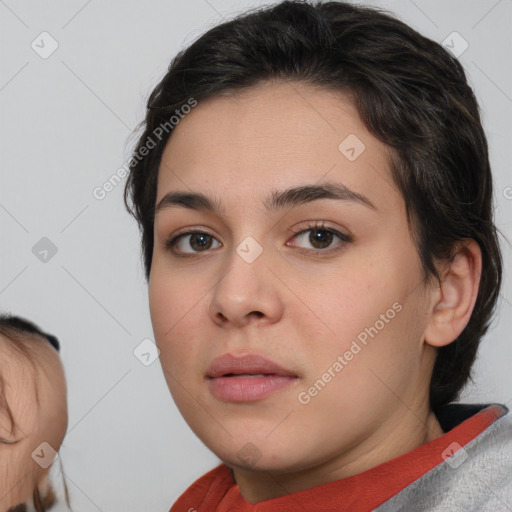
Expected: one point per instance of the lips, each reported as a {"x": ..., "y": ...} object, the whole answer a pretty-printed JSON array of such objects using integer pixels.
[
  {"x": 247, "y": 379},
  {"x": 252, "y": 364}
]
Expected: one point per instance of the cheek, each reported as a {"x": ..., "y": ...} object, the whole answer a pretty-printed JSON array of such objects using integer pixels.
[
  {"x": 17, "y": 476},
  {"x": 169, "y": 300},
  {"x": 360, "y": 311},
  {"x": 343, "y": 303},
  {"x": 177, "y": 313}
]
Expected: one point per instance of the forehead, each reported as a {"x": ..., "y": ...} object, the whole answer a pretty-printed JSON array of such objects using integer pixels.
[
  {"x": 272, "y": 136},
  {"x": 19, "y": 389},
  {"x": 36, "y": 346},
  {"x": 25, "y": 377}
]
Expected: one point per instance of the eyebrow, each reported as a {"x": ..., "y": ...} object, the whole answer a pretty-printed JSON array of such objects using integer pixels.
[{"x": 277, "y": 200}]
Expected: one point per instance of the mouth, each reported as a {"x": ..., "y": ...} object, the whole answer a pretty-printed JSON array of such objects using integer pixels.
[
  {"x": 242, "y": 375},
  {"x": 247, "y": 378}
]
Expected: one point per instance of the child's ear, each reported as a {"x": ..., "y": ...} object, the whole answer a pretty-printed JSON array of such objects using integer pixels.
[{"x": 453, "y": 301}]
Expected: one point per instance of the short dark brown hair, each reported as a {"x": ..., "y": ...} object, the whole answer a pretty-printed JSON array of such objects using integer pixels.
[{"x": 411, "y": 94}]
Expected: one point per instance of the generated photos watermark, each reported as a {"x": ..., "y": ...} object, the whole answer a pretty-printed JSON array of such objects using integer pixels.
[
  {"x": 357, "y": 345},
  {"x": 101, "y": 191}
]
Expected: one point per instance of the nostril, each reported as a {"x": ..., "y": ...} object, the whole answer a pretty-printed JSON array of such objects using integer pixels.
[{"x": 222, "y": 317}]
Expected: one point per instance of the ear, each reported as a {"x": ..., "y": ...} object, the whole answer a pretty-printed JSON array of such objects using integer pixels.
[{"x": 453, "y": 301}]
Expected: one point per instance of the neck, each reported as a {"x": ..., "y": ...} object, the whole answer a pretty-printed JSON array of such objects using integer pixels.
[{"x": 257, "y": 486}]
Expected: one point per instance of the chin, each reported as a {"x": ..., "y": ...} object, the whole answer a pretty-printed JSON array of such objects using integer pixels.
[
  {"x": 276, "y": 466},
  {"x": 258, "y": 455}
]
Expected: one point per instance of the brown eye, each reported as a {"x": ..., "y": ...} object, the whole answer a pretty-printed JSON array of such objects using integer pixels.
[
  {"x": 200, "y": 241},
  {"x": 321, "y": 238},
  {"x": 191, "y": 242}
]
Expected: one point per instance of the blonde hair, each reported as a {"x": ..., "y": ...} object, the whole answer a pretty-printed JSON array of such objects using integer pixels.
[{"x": 21, "y": 334}]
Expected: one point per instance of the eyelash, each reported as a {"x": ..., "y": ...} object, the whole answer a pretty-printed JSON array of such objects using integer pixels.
[{"x": 171, "y": 243}]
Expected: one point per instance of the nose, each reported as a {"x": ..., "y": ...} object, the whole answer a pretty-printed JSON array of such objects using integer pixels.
[{"x": 247, "y": 292}]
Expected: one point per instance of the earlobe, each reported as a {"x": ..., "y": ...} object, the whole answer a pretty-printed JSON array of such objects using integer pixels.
[{"x": 455, "y": 299}]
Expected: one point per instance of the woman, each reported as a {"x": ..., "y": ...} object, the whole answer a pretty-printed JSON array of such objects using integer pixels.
[{"x": 315, "y": 199}]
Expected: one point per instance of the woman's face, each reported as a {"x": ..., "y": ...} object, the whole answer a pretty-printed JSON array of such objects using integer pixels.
[
  {"x": 37, "y": 399},
  {"x": 329, "y": 289}
]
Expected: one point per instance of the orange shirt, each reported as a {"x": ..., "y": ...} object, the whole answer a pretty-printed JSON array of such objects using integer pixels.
[{"x": 216, "y": 491}]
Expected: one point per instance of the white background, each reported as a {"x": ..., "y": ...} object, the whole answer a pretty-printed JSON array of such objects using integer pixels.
[{"x": 65, "y": 122}]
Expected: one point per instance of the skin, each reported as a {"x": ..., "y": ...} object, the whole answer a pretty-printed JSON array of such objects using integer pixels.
[
  {"x": 295, "y": 304},
  {"x": 35, "y": 424}
]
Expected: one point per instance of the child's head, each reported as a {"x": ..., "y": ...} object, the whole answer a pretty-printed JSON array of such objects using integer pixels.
[
  {"x": 380, "y": 318},
  {"x": 33, "y": 410}
]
